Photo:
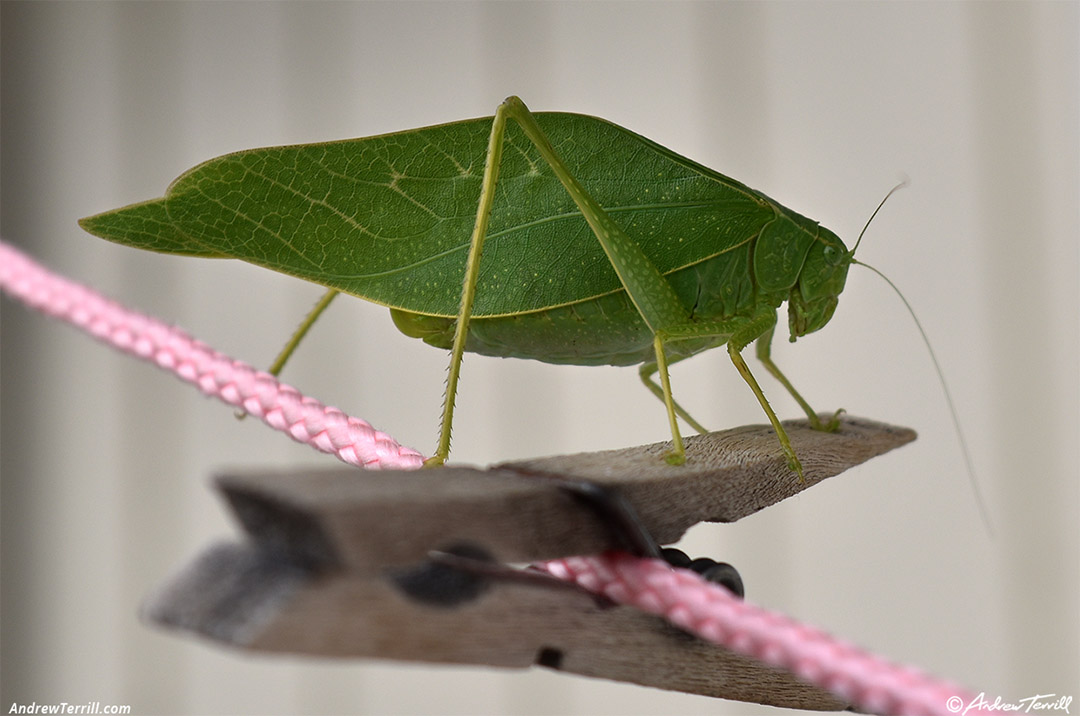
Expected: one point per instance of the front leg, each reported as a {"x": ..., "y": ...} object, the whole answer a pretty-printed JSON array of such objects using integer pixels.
[
  {"x": 738, "y": 333},
  {"x": 763, "y": 346}
]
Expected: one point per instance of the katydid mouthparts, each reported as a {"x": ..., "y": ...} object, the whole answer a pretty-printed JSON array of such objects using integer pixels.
[{"x": 553, "y": 236}]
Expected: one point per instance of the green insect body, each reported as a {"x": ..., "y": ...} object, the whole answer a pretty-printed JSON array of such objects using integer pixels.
[
  {"x": 591, "y": 245},
  {"x": 609, "y": 330}
]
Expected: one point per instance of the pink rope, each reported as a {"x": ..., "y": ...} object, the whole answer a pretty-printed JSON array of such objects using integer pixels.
[
  {"x": 260, "y": 394},
  {"x": 680, "y": 596},
  {"x": 712, "y": 613}
]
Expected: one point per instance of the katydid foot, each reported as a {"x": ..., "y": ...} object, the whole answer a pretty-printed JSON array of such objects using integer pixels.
[
  {"x": 675, "y": 458},
  {"x": 827, "y": 427}
]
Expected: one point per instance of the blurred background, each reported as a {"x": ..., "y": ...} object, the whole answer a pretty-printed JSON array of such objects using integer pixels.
[{"x": 106, "y": 461}]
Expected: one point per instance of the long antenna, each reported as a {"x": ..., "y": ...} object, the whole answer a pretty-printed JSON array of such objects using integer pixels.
[
  {"x": 903, "y": 183},
  {"x": 948, "y": 396}
]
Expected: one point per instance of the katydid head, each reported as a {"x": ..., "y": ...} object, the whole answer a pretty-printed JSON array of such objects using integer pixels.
[{"x": 814, "y": 296}]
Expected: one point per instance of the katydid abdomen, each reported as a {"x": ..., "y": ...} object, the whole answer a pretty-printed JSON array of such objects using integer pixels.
[
  {"x": 607, "y": 330},
  {"x": 602, "y": 331}
]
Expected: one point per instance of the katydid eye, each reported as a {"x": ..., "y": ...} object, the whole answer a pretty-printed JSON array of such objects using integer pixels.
[{"x": 832, "y": 255}]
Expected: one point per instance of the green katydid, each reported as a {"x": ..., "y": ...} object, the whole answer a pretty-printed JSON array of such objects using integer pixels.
[{"x": 590, "y": 245}]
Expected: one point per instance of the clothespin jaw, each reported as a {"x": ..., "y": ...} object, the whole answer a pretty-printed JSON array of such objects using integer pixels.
[{"x": 339, "y": 563}]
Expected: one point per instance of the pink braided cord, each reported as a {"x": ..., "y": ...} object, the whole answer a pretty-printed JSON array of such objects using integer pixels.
[
  {"x": 680, "y": 596},
  {"x": 712, "y": 613},
  {"x": 260, "y": 394}
]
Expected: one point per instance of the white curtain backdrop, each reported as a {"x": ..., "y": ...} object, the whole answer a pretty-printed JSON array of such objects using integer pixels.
[{"x": 106, "y": 461}]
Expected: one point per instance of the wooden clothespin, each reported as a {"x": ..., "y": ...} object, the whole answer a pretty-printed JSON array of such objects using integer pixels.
[{"x": 352, "y": 564}]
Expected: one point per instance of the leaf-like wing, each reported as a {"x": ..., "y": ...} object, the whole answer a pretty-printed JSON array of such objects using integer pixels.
[
  {"x": 389, "y": 218},
  {"x": 145, "y": 226}
]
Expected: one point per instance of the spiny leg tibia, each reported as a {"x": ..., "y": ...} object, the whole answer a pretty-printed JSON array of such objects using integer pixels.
[
  {"x": 763, "y": 347},
  {"x": 472, "y": 271}
]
